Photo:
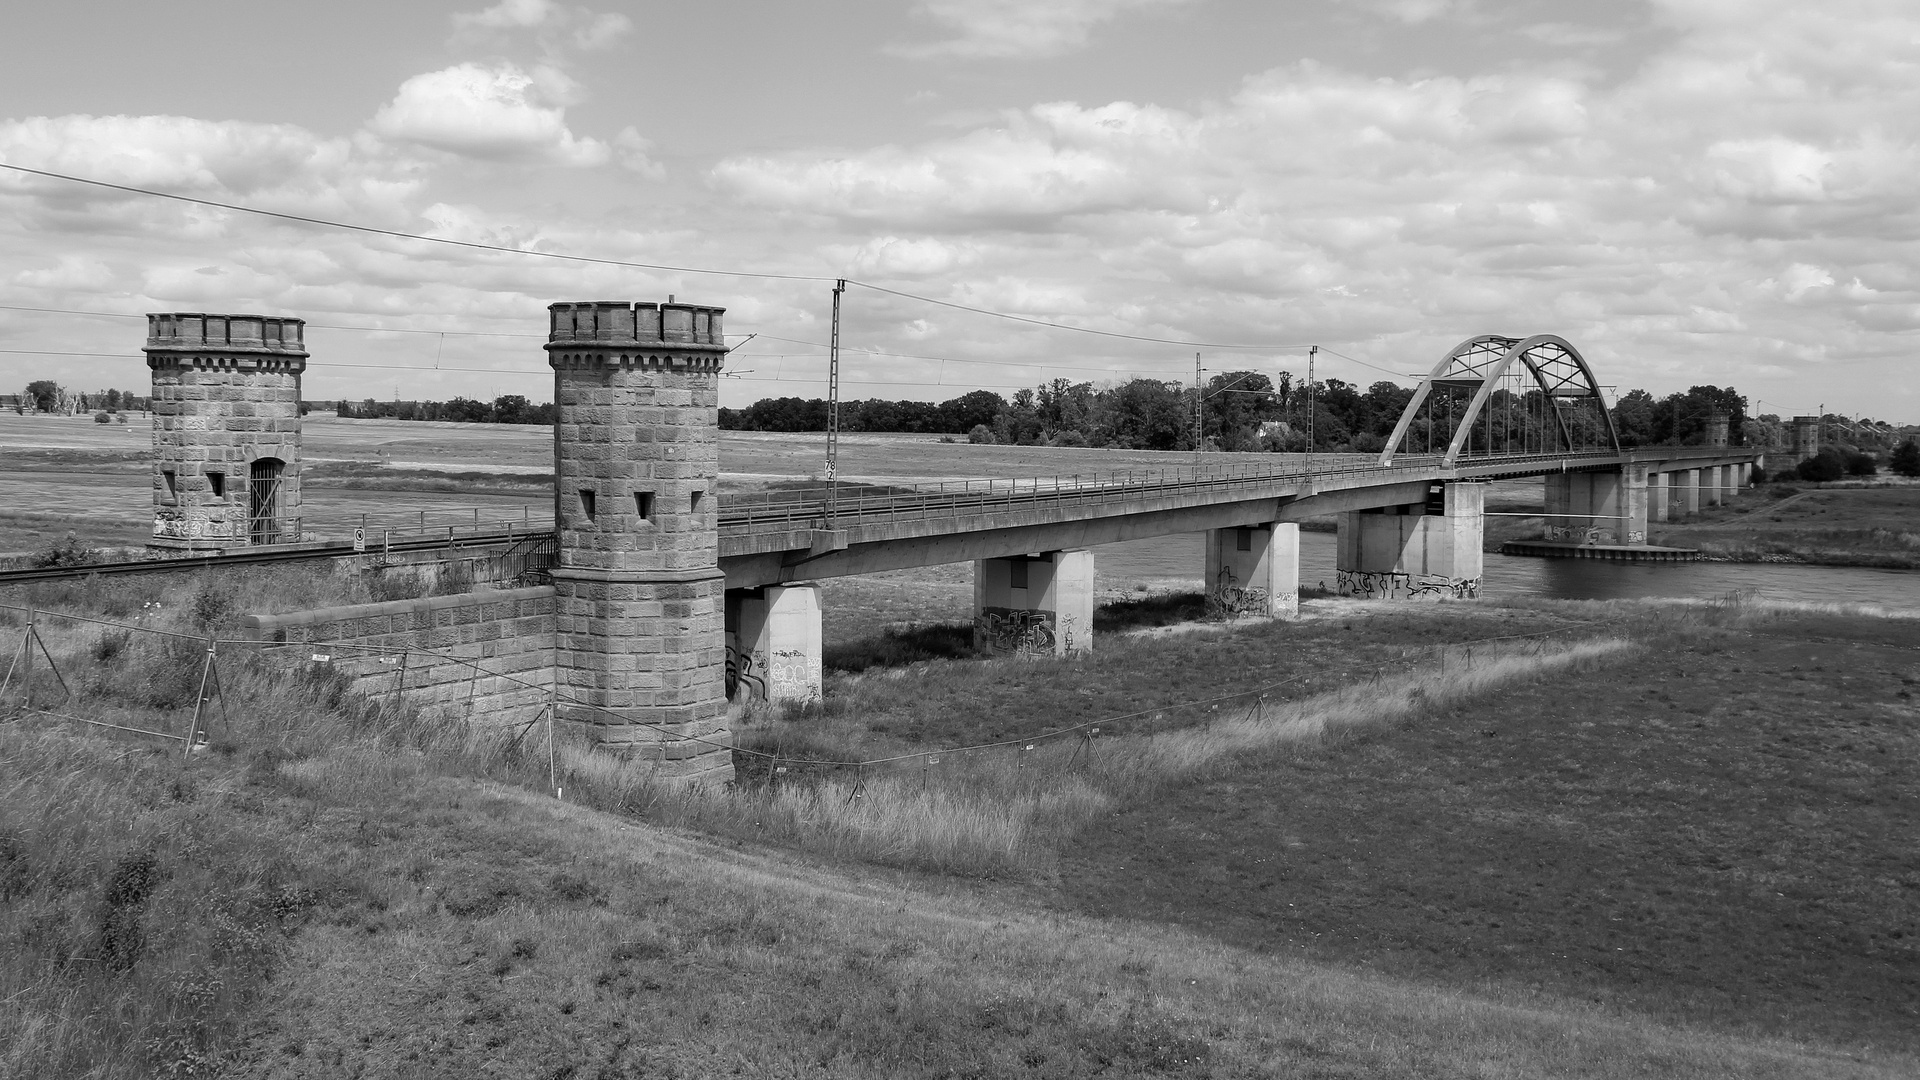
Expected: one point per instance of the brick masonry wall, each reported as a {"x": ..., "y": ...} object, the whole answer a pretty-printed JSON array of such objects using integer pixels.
[{"x": 462, "y": 657}]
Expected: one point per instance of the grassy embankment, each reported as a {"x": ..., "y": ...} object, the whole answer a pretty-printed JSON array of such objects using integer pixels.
[
  {"x": 336, "y": 887},
  {"x": 1846, "y": 524}
]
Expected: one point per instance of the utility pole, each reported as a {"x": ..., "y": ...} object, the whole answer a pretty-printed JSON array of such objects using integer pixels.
[
  {"x": 1312, "y": 404},
  {"x": 833, "y": 408},
  {"x": 1199, "y": 409}
]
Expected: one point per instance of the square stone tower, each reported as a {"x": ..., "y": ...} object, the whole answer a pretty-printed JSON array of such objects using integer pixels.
[
  {"x": 641, "y": 605},
  {"x": 226, "y": 429}
]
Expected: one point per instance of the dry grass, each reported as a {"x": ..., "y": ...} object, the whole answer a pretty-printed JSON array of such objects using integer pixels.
[{"x": 337, "y": 886}]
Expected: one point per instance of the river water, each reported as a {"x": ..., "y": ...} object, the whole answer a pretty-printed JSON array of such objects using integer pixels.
[{"x": 1182, "y": 558}]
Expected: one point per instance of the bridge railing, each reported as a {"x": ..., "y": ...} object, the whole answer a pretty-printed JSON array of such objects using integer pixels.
[
  {"x": 452, "y": 523},
  {"x": 951, "y": 499}
]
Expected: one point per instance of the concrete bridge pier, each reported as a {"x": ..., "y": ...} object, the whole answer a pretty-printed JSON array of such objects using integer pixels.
[
  {"x": 1421, "y": 550},
  {"x": 1659, "y": 496},
  {"x": 1034, "y": 605},
  {"x": 773, "y": 645},
  {"x": 1686, "y": 493},
  {"x": 1598, "y": 507},
  {"x": 1254, "y": 571}
]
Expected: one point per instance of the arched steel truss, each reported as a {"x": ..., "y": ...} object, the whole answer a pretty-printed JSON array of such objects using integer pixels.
[{"x": 1478, "y": 363}]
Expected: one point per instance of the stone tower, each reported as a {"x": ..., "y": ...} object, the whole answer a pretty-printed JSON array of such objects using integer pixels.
[
  {"x": 1806, "y": 437},
  {"x": 226, "y": 429},
  {"x": 1717, "y": 422},
  {"x": 641, "y": 603}
]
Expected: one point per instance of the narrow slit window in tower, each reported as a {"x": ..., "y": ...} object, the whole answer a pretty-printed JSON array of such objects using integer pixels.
[
  {"x": 698, "y": 495},
  {"x": 586, "y": 502},
  {"x": 173, "y": 483},
  {"x": 218, "y": 482},
  {"x": 643, "y": 505}
]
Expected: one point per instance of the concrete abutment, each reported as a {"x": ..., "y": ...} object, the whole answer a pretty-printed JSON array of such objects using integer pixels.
[
  {"x": 1254, "y": 571},
  {"x": 1599, "y": 507},
  {"x": 1034, "y": 605},
  {"x": 774, "y": 645},
  {"x": 1419, "y": 550}
]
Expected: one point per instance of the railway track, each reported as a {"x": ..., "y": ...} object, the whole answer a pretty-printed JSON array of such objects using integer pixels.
[{"x": 340, "y": 549}]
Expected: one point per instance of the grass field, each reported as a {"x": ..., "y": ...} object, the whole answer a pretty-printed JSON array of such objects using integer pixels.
[
  {"x": 61, "y": 475},
  {"x": 1646, "y": 838},
  {"x": 1839, "y": 525},
  {"x": 1467, "y": 839}
]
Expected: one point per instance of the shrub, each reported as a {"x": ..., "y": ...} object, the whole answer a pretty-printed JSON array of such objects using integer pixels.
[
  {"x": 102, "y": 418},
  {"x": 1825, "y": 466},
  {"x": 1861, "y": 464},
  {"x": 981, "y": 434},
  {"x": 68, "y": 552},
  {"x": 1906, "y": 459}
]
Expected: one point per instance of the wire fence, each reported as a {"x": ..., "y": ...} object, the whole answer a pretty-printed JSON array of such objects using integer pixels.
[{"x": 211, "y": 690}]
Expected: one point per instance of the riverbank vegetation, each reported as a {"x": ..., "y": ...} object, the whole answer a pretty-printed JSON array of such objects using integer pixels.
[
  {"x": 1861, "y": 524},
  {"x": 1587, "y": 839}
]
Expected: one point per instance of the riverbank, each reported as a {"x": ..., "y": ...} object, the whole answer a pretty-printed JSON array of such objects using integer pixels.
[{"x": 1874, "y": 524}]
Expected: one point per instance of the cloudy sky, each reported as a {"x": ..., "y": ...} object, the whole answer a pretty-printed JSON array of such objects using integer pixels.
[{"x": 1692, "y": 191}]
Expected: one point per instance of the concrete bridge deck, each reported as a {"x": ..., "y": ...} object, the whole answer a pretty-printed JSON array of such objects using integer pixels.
[{"x": 767, "y": 541}]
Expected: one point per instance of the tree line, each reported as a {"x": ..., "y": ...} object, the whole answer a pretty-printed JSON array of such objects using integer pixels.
[
  {"x": 47, "y": 396},
  {"x": 1249, "y": 411},
  {"x": 505, "y": 409}
]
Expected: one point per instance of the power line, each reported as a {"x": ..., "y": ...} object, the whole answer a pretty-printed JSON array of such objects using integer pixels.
[
  {"x": 1049, "y": 365},
  {"x": 1068, "y": 326},
  {"x": 473, "y": 245}
]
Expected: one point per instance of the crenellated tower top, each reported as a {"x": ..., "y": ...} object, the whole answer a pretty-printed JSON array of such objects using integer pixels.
[
  {"x": 660, "y": 335},
  {"x": 175, "y": 338}
]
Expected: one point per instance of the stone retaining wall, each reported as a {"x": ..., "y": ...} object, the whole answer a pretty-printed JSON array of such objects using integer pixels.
[{"x": 486, "y": 656}]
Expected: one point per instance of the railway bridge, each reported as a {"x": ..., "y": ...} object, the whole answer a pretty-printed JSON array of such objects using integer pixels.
[{"x": 670, "y": 607}]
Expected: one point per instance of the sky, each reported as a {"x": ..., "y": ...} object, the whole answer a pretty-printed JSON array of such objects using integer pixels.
[{"x": 1691, "y": 191}]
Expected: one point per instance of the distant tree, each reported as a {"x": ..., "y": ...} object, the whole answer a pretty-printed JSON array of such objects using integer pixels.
[
  {"x": 1906, "y": 458},
  {"x": 44, "y": 394},
  {"x": 1861, "y": 464},
  {"x": 1633, "y": 418},
  {"x": 982, "y": 434},
  {"x": 511, "y": 409},
  {"x": 970, "y": 410}
]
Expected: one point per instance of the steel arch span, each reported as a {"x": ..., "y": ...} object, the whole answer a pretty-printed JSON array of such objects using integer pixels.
[{"x": 1478, "y": 364}]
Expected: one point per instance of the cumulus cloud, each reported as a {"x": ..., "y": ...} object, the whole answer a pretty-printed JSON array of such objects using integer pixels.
[
  {"x": 1750, "y": 183},
  {"x": 276, "y": 166},
  {"x": 1017, "y": 29},
  {"x": 634, "y": 153},
  {"x": 497, "y": 112},
  {"x": 555, "y": 25}
]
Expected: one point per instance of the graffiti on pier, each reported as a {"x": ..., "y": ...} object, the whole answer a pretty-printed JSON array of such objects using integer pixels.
[
  {"x": 1368, "y": 585},
  {"x": 1016, "y": 631},
  {"x": 1227, "y": 599},
  {"x": 791, "y": 677},
  {"x": 743, "y": 673},
  {"x": 1580, "y": 534}
]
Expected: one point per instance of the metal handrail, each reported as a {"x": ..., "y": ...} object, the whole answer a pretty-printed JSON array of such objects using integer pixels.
[{"x": 949, "y": 499}]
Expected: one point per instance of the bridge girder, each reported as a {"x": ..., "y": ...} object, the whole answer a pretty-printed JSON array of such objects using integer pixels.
[{"x": 1478, "y": 363}]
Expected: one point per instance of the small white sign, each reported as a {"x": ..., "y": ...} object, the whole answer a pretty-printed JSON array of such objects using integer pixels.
[
  {"x": 831, "y": 470},
  {"x": 322, "y": 658},
  {"x": 359, "y": 539}
]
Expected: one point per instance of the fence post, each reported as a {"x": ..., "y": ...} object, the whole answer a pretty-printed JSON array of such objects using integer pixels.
[
  {"x": 26, "y": 646},
  {"x": 200, "y": 698}
]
